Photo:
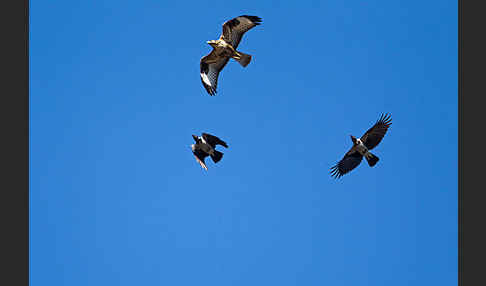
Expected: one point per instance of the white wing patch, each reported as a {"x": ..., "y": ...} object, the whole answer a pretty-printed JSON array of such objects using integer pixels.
[
  {"x": 205, "y": 79},
  {"x": 210, "y": 72}
]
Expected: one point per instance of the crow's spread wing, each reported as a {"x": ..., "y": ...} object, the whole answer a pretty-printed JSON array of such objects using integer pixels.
[
  {"x": 213, "y": 140},
  {"x": 373, "y": 136},
  {"x": 350, "y": 161}
]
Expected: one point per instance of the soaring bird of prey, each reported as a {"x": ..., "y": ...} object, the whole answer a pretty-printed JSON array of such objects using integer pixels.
[
  {"x": 206, "y": 146},
  {"x": 225, "y": 48},
  {"x": 361, "y": 148}
]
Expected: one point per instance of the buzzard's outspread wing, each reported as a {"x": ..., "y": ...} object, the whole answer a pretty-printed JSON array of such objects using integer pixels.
[
  {"x": 200, "y": 156},
  {"x": 234, "y": 29},
  {"x": 350, "y": 161},
  {"x": 210, "y": 66},
  {"x": 373, "y": 136},
  {"x": 213, "y": 140}
]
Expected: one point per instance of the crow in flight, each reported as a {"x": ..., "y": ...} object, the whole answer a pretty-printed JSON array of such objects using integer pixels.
[
  {"x": 361, "y": 148},
  {"x": 206, "y": 146}
]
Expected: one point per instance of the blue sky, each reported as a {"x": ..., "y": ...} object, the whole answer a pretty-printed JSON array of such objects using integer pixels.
[{"x": 117, "y": 198}]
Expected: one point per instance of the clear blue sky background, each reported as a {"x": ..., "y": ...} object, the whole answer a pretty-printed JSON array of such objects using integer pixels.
[{"x": 117, "y": 198}]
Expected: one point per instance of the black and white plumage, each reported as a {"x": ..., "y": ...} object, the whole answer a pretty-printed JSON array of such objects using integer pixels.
[
  {"x": 225, "y": 48},
  {"x": 361, "y": 148},
  {"x": 206, "y": 146}
]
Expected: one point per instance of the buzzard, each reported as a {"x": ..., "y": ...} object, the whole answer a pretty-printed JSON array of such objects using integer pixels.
[
  {"x": 361, "y": 148},
  {"x": 225, "y": 48},
  {"x": 206, "y": 146}
]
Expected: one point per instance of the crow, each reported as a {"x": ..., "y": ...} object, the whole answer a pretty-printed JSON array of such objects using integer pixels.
[
  {"x": 206, "y": 146},
  {"x": 361, "y": 147}
]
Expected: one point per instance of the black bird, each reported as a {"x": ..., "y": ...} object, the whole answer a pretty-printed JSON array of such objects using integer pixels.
[
  {"x": 206, "y": 146},
  {"x": 361, "y": 148}
]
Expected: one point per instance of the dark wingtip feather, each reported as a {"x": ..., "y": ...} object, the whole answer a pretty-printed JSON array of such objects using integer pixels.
[
  {"x": 335, "y": 172},
  {"x": 255, "y": 19},
  {"x": 211, "y": 90},
  {"x": 385, "y": 118}
]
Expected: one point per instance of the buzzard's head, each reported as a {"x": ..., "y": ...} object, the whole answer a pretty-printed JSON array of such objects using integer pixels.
[
  {"x": 355, "y": 141},
  {"x": 212, "y": 43},
  {"x": 194, "y": 137}
]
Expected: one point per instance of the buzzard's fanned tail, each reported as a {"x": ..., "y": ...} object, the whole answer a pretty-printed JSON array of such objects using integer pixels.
[
  {"x": 243, "y": 59},
  {"x": 372, "y": 159}
]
